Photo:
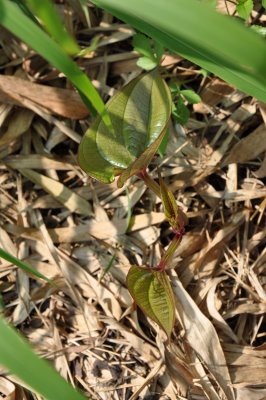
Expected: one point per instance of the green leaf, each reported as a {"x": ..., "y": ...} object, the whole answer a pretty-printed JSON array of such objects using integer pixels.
[
  {"x": 142, "y": 44},
  {"x": 85, "y": 9},
  {"x": 159, "y": 50},
  {"x": 191, "y": 96},
  {"x": 139, "y": 115},
  {"x": 164, "y": 143},
  {"x": 216, "y": 45},
  {"x": 46, "y": 12},
  {"x": 92, "y": 47},
  {"x": 17, "y": 356},
  {"x": 21, "y": 264},
  {"x": 152, "y": 292},
  {"x": 146, "y": 63},
  {"x": 13, "y": 19},
  {"x": 152, "y": 54},
  {"x": 263, "y": 3},
  {"x": 244, "y": 8},
  {"x": 21, "y": 4},
  {"x": 180, "y": 112},
  {"x": 174, "y": 88},
  {"x": 90, "y": 158}
]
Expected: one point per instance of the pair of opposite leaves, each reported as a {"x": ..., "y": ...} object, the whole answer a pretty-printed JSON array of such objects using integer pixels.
[{"x": 139, "y": 115}]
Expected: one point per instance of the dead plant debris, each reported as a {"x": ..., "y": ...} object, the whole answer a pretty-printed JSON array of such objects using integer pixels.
[{"x": 75, "y": 231}]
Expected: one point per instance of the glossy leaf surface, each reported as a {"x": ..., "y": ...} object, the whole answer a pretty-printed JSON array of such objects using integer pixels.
[
  {"x": 217, "y": 43},
  {"x": 139, "y": 114},
  {"x": 152, "y": 292}
]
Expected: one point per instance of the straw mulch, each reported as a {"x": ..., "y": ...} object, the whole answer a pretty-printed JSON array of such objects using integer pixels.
[{"x": 75, "y": 230}]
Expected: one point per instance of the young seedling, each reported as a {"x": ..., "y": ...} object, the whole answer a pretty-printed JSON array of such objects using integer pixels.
[
  {"x": 180, "y": 97},
  {"x": 150, "y": 50},
  {"x": 139, "y": 114}
]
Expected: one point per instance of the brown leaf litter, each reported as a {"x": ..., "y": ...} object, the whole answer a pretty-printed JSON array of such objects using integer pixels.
[{"x": 85, "y": 235}]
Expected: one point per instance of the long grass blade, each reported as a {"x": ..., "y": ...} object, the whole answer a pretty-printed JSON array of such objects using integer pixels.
[
  {"x": 46, "y": 12},
  {"x": 17, "y": 356},
  {"x": 215, "y": 42},
  {"x": 13, "y": 19},
  {"x": 21, "y": 264}
]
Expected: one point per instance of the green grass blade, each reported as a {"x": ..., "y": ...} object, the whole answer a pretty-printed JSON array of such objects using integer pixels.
[
  {"x": 108, "y": 267},
  {"x": 18, "y": 357},
  {"x": 21, "y": 4},
  {"x": 13, "y": 19},
  {"x": 213, "y": 41},
  {"x": 21, "y": 264},
  {"x": 46, "y": 12},
  {"x": 84, "y": 6}
]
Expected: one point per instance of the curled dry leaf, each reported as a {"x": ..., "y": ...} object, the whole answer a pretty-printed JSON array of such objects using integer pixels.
[
  {"x": 139, "y": 115},
  {"x": 64, "y": 102}
]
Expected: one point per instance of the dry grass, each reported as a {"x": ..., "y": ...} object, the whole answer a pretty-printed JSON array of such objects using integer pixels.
[{"x": 75, "y": 230}]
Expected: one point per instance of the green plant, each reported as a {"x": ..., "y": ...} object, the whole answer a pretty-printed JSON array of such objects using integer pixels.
[
  {"x": 18, "y": 357},
  {"x": 15, "y": 353},
  {"x": 17, "y": 22},
  {"x": 182, "y": 97},
  {"x": 139, "y": 113},
  {"x": 216, "y": 45},
  {"x": 21, "y": 264},
  {"x": 151, "y": 53},
  {"x": 244, "y": 8},
  {"x": 150, "y": 50}
]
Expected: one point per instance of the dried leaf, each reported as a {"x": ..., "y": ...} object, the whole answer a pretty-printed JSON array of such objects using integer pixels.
[
  {"x": 64, "y": 102},
  {"x": 65, "y": 196},
  {"x": 248, "y": 148},
  {"x": 202, "y": 337},
  {"x": 18, "y": 125}
]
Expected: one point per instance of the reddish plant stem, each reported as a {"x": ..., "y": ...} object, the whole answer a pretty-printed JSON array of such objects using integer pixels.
[
  {"x": 169, "y": 254},
  {"x": 150, "y": 183},
  {"x": 167, "y": 257}
]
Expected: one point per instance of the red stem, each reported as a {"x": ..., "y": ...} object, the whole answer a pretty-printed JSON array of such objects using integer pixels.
[
  {"x": 150, "y": 183},
  {"x": 167, "y": 257},
  {"x": 169, "y": 254}
]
